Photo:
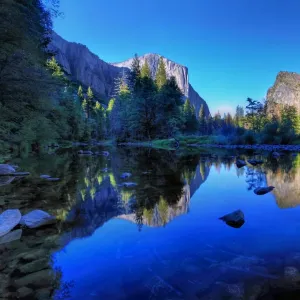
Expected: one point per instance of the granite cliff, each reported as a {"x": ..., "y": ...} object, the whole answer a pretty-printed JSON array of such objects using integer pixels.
[
  {"x": 88, "y": 69},
  {"x": 285, "y": 91}
]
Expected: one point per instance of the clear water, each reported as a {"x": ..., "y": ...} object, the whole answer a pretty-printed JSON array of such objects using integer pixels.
[{"x": 162, "y": 239}]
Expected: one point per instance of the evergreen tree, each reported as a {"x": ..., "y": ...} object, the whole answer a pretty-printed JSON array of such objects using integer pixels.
[
  {"x": 54, "y": 67},
  {"x": 80, "y": 93},
  {"x": 161, "y": 74},
  {"x": 145, "y": 72},
  {"x": 90, "y": 98},
  {"x": 135, "y": 74},
  {"x": 202, "y": 120},
  {"x": 190, "y": 120}
]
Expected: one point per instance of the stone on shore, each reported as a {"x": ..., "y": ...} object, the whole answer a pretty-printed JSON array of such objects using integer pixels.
[
  {"x": 37, "y": 218},
  {"x": 11, "y": 236},
  {"x": 6, "y": 169},
  {"x": 8, "y": 220}
]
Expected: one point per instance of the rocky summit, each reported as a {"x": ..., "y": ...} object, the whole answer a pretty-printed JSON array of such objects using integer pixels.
[
  {"x": 87, "y": 68},
  {"x": 285, "y": 91}
]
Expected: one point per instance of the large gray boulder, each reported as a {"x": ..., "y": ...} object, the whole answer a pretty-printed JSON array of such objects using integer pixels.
[
  {"x": 263, "y": 190},
  {"x": 6, "y": 169},
  {"x": 37, "y": 218},
  {"x": 8, "y": 220}
]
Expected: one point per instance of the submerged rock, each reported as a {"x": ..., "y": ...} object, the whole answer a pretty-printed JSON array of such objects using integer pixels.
[
  {"x": 37, "y": 218},
  {"x": 126, "y": 175},
  {"x": 276, "y": 154},
  {"x": 8, "y": 220},
  {"x": 85, "y": 152},
  {"x": 6, "y": 169},
  {"x": 11, "y": 236},
  {"x": 255, "y": 162},
  {"x": 240, "y": 163},
  {"x": 52, "y": 179},
  {"x": 129, "y": 184},
  {"x": 24, "y": 292},
  {"x": 263, "y": 190},
  {"x": 4, "y": 180},
  {"x": 235, "y": 219}
]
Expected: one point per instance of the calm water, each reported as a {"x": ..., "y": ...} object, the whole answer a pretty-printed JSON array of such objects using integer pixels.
[{"x": 160, "y": 239}]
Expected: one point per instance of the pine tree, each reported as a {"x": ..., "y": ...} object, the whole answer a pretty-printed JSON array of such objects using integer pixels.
[
  {"x": 54, "y": 67},
  {"x": 135, "y": 74},
  {"x": 80, "y": 93},
  {"x": 145, "y": 72},
  {"x": 90, "y": 97},
  {"x": 190, "y": 120},
  {"x": 161, "y": 74},
  {"x": 202, "y": 120}
]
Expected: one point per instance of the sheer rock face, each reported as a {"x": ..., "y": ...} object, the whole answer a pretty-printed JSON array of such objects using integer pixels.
[
  {"x": 285, "y": 91},
  {"x": 87, "y": 68}
]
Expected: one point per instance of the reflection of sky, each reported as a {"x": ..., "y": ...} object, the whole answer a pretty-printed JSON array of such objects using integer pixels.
[{"x": 118, "y": 252}]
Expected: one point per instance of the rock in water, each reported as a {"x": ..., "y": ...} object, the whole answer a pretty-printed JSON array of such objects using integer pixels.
[
  {"x": 235, "y": 219},
  {"x": 255, "y": 162},
  {"x": 125, "y": 175},
  {"x": 37, "y": 218},
  {"x": 6, "y": 169},
  {"x": 276, "y": 154},
  {"x": 129, "y": 184},
  {"x": 11, "y": 236},
  {"x": 263, "y": 190},
  {"x": 8, "y": 220},
  {"x": 52, "y": 179},
  {"x": 240, "y": 163},
  {"x": 45, "y": 176}
]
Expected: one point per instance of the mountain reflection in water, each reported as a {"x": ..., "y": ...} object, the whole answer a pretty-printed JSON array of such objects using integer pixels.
[{"x": 160, "y": 239}]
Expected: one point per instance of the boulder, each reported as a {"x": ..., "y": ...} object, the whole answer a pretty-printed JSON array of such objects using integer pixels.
[
  {"x": 129, "y": 184},
  {"x": 8, "y": 220},
  {"x": 240, "y": 163},
  {"x": 105, "y": 153},
  {"x": 275, "y": 154},
  {"x": 37, "y": 218},
  {"x": 44, "y": 176},
  {"x": 11, "y": 236},
  {"x": 24, "y": 292},
  {"x": 52, "y": 179},
  {"x": 38, "y": 279},
  {"x": 4, "y": 180},
  {"x": 126, "y": 175},
  {"x": 85, "y": 152},
  {"x": 255, "y": 162},
  {"x": 235, "y": 219},
  {"x": 34, "y": 266},
  {"x": 263, "y": 190},
  {"x": 43, "y": 294},
  {"x": 6, "y": 169}
]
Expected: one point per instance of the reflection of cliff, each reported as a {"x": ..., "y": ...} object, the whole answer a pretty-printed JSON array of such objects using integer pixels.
[
  {"x": 94, "y": 211},
  {"x": 163, "y": 213},
  {"x": 287, "y": 187}
]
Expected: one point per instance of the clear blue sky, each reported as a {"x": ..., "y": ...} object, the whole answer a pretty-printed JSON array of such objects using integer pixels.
[{"x": 233, "y": 48}]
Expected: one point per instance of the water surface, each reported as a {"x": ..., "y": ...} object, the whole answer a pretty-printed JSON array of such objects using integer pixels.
[{"x": 161, "y": 238}]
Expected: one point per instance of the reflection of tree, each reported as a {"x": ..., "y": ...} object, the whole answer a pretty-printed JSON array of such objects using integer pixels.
[{"x": 255, "y": 178}]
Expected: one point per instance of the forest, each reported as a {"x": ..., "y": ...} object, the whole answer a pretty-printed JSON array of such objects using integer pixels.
[{"x": 40, "y": 106}]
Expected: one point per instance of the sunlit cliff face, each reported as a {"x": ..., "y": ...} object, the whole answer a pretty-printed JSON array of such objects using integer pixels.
[{"x": 287, "y": 185}]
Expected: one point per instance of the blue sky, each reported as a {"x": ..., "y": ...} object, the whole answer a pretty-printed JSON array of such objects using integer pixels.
[{"x": 233, "y": 48}]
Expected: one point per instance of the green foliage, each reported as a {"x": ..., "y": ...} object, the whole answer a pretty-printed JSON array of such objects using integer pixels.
[
  {"x": 161, "y": 74},
  {"x": 54, "y": 68},
  {"x": 190, "y": 120},
  {"x": 202, "y": 120},
  {"x": 145, "y": 72}
]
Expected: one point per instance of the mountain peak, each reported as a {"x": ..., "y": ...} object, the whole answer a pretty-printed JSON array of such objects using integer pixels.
[{"x": 87, "y": 68}]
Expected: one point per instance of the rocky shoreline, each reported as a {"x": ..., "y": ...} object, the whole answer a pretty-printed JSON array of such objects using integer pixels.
[{"x": 271, "y": 148}]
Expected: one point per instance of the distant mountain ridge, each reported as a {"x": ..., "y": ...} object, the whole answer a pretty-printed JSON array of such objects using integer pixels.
[{"x": 87, "y": 68}]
